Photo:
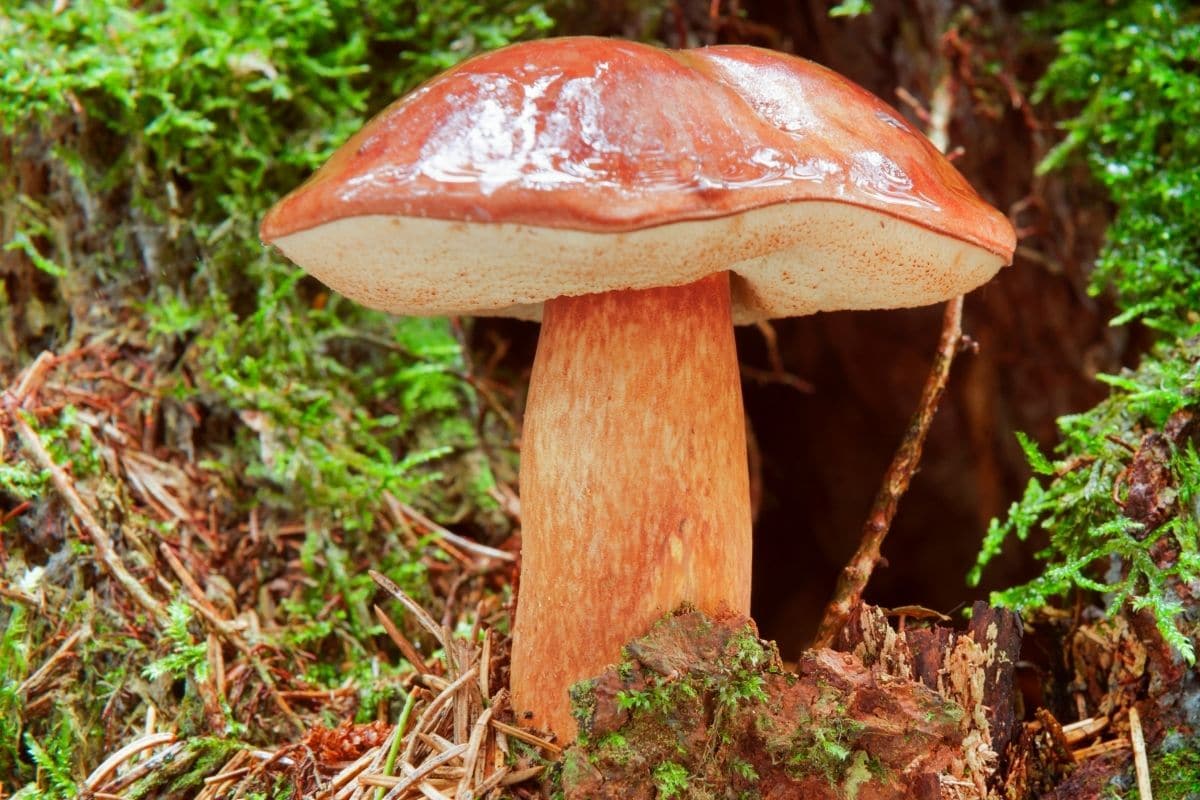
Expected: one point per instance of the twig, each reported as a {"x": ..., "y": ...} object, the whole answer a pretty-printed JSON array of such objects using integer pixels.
[
  {"x": 521, "y": 775},
  {"x": 100, "y": 538},
  {"x": 164, "y": 756},
  {"x": 100, "y": 773},
  {"x": 472, "y": 755},
  {"x": 400, "y": 640},
  {"x": 1140, "y": 765},
  {"x": 433, "y": 708},
  {"x": 526, "y": 736},
  {"x": 20, "y": 597},
  {"x": 857, "y": 572},
  {"x": 1084, "y": 729},
  {"x": 348, "y": 774},
  {"x": 777, "y": 373},
  {"x": 200, "y": 601},
  {"x": 1099, "y": 749},
  {"x": 45, "y": 669},
  {"x": 33, "y": 376},
  {"x": 225, "y": 777},
  {"x": 414, "y": 608},
  {"x": 404, "y": 509},
  {"x": 485, "y": 663},
  {"x": 420, "y": 772}
]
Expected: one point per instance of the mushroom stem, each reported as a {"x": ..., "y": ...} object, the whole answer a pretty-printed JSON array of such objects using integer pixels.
[{"x": 634, "y": 484}]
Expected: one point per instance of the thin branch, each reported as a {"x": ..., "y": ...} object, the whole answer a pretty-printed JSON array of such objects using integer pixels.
[
  {"x": 857, "y": 572},
  {"x": 403, "y": 511},
  {"x": 101, "y": 773},
  {"x": 855, "y": 575},
  {"x": 427, "y": 622},
  {"x": 100, "y": 538}
]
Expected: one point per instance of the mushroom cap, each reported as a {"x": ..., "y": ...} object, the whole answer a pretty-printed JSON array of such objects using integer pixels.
[{"x": 580, "y": 165}]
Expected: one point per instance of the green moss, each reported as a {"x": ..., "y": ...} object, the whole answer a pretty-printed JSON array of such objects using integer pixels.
[
  {"x": 174, "y": 126},
  {"x": 583, "y": 706},
  {"x": 185, "y": 656},
  {"x": 68, "y": 441},
  {"x": 159, "y": 133},
  {"x": 1078, "y": 500},
  {"x": 671, "y": 780},
  {"x": 1174, "y": 771},
  {"x": 1129, "y": 73},
  {"x": 1130, "y": 70},
  {"x": 185, "y": 774},
  {"x": 690, "y": 693},
  {"x": 822, "y": 744},
  {"x": 613, "y": 747},
  {"x": 1175, "y": 775}
]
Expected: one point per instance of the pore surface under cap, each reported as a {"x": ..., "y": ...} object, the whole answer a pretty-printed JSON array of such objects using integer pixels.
[{"x": 543, "y": 159}]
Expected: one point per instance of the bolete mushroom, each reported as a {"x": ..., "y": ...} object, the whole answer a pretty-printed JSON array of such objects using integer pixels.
[{"x": 639, "y": 202}]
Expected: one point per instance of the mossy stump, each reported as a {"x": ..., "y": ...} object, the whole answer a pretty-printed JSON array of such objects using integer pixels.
[{"x": 702, "y": 708}]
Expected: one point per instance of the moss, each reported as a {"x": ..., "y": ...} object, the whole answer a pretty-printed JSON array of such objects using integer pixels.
[
  {"x": 1078, "y": 500},
  {"x": 142, "y": 143},
  {"x": 181, "y": 777},
  {"x": 613, "y": 747},
  {"x": 1130, "y": 71},
  {"x": 165, "y": 132},
  {"x": 679, "y": 721},
  {"x": 671, "y": 780},
  {"x": 696, "y": 698},
  {"x": 1127, "y": 74},
  {"x": 821, "y": 743},
  {"x": 1174, "y": 771},
  {"x": 583, "y": 706}
]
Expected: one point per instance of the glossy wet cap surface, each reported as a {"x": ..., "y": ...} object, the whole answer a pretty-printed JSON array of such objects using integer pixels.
[{"x": 603, "y": 135}]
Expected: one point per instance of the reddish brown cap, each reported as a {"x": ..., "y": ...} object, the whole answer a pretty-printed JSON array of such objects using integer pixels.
[{"x": 579, "y": 165}]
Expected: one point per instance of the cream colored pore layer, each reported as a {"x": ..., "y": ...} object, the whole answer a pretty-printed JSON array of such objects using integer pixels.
[{"x": 788, "y": 260}]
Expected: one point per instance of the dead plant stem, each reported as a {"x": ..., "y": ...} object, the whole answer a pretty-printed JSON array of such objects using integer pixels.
[
  {"x": 1141, "y": 764},
  {"x": 855, "y": 575},
  {"x": 95, "y": 531},
  {"x": 857, "y": 572}
]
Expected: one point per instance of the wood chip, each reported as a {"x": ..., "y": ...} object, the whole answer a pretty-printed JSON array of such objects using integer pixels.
[
  {"x": 1084, "y": 729},
  {"x": 1141, "y": 765},
  {"x": 1101, "y": 748}
]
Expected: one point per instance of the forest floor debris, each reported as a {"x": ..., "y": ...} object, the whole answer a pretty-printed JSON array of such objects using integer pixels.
[{"x": 193, "y": 674}]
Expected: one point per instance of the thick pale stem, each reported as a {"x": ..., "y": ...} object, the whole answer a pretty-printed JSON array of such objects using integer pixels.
[{"x": 634, "y": 485}]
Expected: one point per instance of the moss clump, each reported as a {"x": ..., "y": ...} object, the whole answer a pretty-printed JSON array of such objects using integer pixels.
[
  {"x": 821, "y": 743},
  {"x": 1083, "y": 499},
  {"x": 185, "y": 774},
  {"x": 1175, "y": 772},
  {"x": 583, "y": 703},
  {"x": 142, "y": 142},
  {"x": 672, "y": 710},
  {"x": 1117, "y": 504},
  {"x": 1130, "y": 70}
]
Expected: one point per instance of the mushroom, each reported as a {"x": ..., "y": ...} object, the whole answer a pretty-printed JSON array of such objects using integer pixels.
[{"x": 639, "y": 202}]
